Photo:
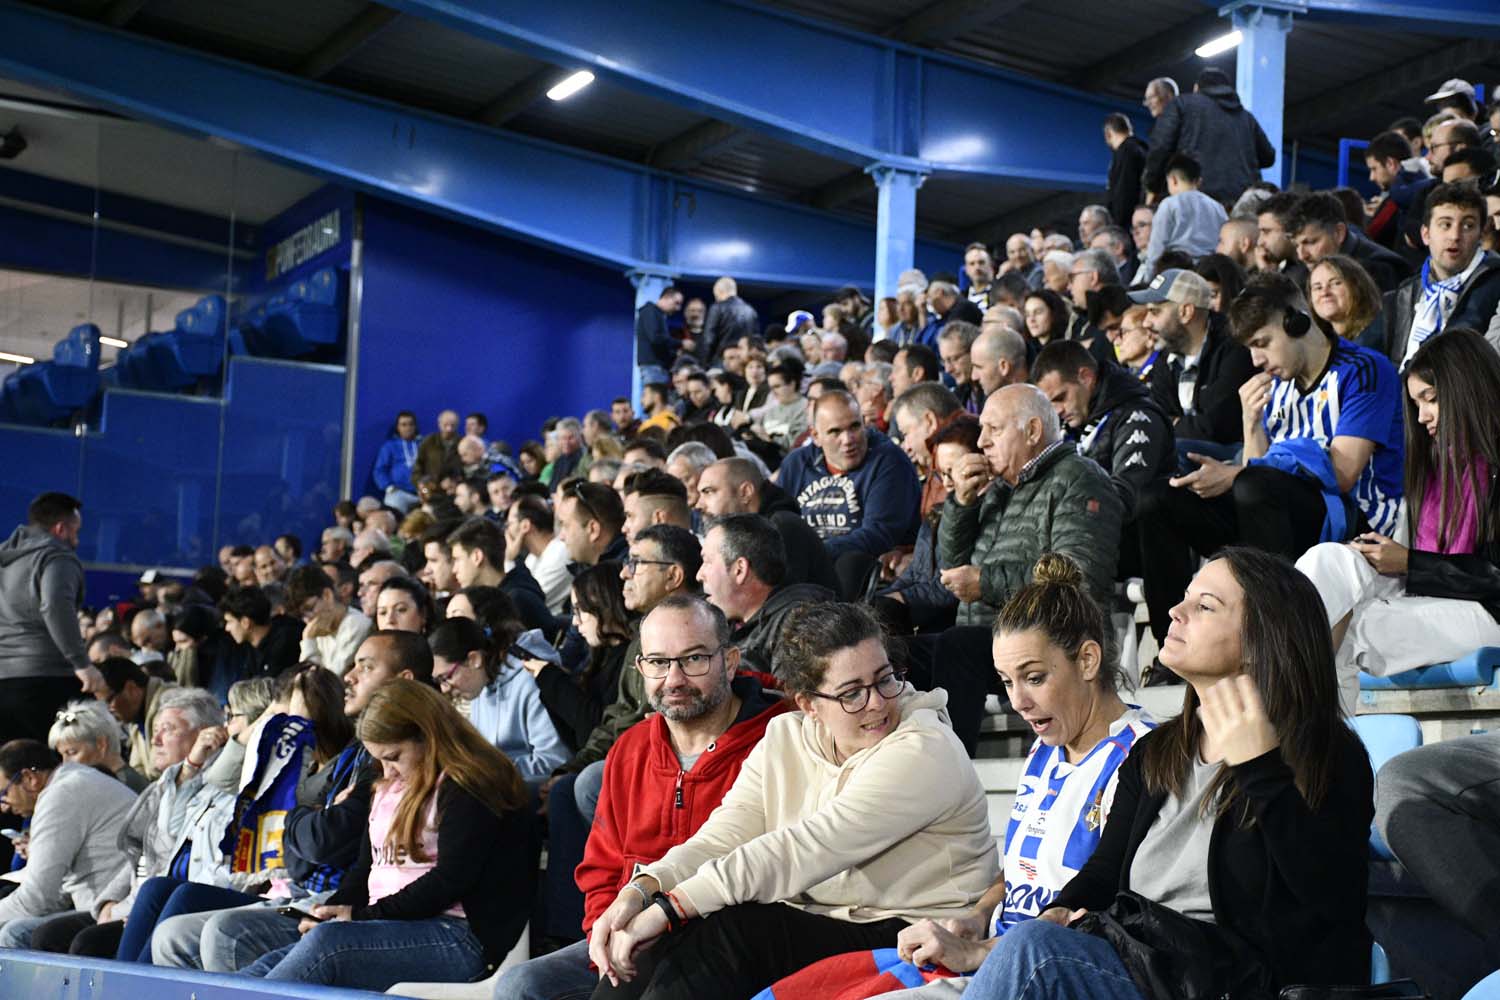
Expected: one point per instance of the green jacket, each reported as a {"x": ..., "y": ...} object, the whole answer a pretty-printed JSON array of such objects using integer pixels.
[{"x": 1062, "y": 503}]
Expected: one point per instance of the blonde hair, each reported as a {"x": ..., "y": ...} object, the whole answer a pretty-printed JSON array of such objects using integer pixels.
[{"x": 403, "y": 710}]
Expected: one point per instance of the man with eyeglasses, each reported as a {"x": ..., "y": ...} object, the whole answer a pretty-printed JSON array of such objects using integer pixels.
[
  {"x": 662, "y": 779},
  {"x": 76, "y": 813}
]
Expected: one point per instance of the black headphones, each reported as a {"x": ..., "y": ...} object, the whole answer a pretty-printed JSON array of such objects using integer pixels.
[{"x": 1294, "y": 321}]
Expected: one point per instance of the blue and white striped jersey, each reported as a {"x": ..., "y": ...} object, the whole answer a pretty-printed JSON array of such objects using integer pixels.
[
  {"x": 1357, "y": 395},
  {"x": 1058, "y": 816}
]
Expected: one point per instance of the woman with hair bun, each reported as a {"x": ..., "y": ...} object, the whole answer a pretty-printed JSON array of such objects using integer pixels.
[{"x": 1051, "y": 651}]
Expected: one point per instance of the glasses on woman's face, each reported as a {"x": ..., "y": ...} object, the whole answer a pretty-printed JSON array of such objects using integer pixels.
[
  {"x": 691, "y": 664},
  {"x": 854, "y": 700}
]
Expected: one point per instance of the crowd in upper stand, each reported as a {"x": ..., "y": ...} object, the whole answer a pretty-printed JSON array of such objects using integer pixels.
[{"x": 728, "y": 658}]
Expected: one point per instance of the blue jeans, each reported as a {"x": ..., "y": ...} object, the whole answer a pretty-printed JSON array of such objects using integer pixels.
[
  {"x": 1038, "y": 960},
  {"x": 561, "y": 975},
  {"x": 586, "y": 789},
  {"x": 378, "y": 954},
  {"x": 231, "y": 940},
  {"x": 567, "y": 835},
  {"x": 161, "y": 899}
]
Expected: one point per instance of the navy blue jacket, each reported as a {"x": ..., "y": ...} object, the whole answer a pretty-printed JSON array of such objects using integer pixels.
[{"x": 873, "y": 508}]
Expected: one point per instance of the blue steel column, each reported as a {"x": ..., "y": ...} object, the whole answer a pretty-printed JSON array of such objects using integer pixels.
[
  {"x": 648, "y": 288},
  {"x": 895, "y": 225},
  {"x": 1260, "y": 74}
]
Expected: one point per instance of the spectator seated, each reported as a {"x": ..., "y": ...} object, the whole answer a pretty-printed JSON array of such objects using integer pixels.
[
  {"x": 1475, "y": 670},
  {"x": 305, "y": 318}
]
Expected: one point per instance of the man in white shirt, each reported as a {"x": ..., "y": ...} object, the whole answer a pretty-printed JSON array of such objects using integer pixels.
[{"x": 530, "y": 536}]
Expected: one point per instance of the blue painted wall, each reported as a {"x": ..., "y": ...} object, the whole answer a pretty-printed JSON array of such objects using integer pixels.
[{"x": 456, "y": 317}]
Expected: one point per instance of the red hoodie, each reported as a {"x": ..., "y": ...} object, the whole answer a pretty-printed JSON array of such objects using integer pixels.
[{"x": 649, "y": 805}]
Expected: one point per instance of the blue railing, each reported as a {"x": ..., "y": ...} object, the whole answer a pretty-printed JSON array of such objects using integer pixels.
[{"x": 31, "y": 975}]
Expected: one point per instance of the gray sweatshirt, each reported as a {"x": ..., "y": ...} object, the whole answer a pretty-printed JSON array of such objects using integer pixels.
[
  {"x": 74, "y": 843},
  {"x": 41, "y": 587}
]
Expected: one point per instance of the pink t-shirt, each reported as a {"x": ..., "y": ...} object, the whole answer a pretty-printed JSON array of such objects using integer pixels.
[
  {"x": 1465, "y": 527},
  {"x": 392, "y": 870}
]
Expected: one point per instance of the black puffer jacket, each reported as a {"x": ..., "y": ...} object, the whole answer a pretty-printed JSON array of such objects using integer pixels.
[
  {"x": 1474, "y": 577},
  {"x": 1213, "y": 128}
]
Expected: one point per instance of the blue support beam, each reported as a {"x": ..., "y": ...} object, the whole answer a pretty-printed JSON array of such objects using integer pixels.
[
  {"x": 1468, "y": 19},
  {"x": 587, "y": 205},
  {"x": 883, "y": 102},
  {"x": 895, "y": 226},
  {"x": 1260, "y": 74}
]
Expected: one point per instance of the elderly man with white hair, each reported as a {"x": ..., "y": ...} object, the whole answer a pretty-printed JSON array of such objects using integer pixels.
[{"x": 1027, "y": 494}]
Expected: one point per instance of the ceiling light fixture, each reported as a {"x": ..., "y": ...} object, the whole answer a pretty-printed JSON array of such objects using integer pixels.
[
  {"x": 19, "y": 359},
  {"x": 114, "y": 342},
  {"x": 1223, "y": 43},
  {"x": 571, "y": 85}
]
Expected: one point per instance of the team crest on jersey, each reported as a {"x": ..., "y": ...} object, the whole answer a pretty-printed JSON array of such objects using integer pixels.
[{"x": 1094, "y": 818}]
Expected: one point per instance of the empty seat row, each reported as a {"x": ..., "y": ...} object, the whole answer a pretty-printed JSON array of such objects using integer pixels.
[
  {"x": 295, "y": 323},
  {"x": 50, "y": 391},
  {"x": 175, "y": 359},
  {"x": 1476, "y": 670}
]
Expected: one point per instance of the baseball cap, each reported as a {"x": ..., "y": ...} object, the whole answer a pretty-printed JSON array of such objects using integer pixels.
[
  {"x": 149, "y": 576},
  {"x": 797, "y": 318},
  {"x": 1451, "y": 88},
  {"x": 1176, "y": 285}
]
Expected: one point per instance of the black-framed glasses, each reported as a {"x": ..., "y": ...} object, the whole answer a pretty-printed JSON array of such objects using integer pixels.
[
  {"x": 854, "y": 700},
  {"x": 5, "y": 790},
  {"x": 632, "y": 562},
  {"x": 691, "y": 664}
]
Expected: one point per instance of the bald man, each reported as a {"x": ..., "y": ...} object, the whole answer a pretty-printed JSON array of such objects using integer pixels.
[
  {"x": 728, "y": 319},
  {"x": 1028, "y": 493}
]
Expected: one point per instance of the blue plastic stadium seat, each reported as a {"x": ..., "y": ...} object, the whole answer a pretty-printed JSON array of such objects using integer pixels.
[
  {"x": 1385, "y": 736},
  {"x": 306, "y": 317},
  {"x": 1487, "y": 988},
  {"x": 49, "y": 391},
  {"x": 192, "y": 351},
  {"x": 1475, "y": 670}
]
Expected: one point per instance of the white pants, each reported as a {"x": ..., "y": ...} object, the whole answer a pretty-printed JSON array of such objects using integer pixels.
[{"x": 1391, "y": 630}]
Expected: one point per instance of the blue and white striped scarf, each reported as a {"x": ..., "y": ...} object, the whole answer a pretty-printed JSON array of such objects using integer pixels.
[{"x": 1437, "y": 303}]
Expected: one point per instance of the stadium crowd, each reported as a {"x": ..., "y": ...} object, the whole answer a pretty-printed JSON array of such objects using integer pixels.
[{"x": 728, "y": 659}]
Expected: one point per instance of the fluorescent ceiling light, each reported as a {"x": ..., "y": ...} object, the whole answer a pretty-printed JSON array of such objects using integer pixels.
[
  {"x": 1223, "y": 43},
  {"x": 570, "y": 86},
  {"x": 114, "y": 342},
  {"x": 19, "y": 359}
]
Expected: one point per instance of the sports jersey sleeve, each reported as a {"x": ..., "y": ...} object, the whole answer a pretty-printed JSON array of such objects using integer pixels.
[{"x": 1369, "y": 399}]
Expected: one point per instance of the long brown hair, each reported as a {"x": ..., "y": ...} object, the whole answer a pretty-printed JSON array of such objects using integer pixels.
[
  {"x": 323, "y": 692},
  {"x": 403, "y": 710},
  {"x": 1290, "y": 659},
  {"x": 1465, "y": 372}
]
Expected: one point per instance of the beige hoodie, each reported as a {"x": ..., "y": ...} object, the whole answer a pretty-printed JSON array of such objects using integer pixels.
[{"x": 899, "y": 829}]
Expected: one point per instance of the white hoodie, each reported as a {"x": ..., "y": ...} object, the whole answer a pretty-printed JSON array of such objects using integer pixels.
[{"x": 900, "y": 829}]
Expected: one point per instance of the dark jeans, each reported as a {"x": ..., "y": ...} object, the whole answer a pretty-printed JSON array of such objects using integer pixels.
[
  {"x": 567, "y": 834},
  {"x": 1265, "y": 509},
  {"x": 740, "y": 951},
  {"x": 161, "y": 898},
  {"x": 98, "y": 941},
  {"x": 28, "y": 705},
  {"x": 58, "y": 933},
  {"x": 963, "y": 665}
]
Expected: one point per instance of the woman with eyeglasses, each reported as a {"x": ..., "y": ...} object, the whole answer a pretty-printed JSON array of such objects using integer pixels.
[
  {"x": 855, "y": 816},
  {"x": 1051, "y": 649},
  {"x": 85, "y": 733},
  {"x": 476, "y": 667}
]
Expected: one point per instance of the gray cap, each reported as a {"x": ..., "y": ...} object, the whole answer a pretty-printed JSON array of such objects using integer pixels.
[
  {"x": 1451, "y": 88},
  {"x": 1176, "y": 285}
]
